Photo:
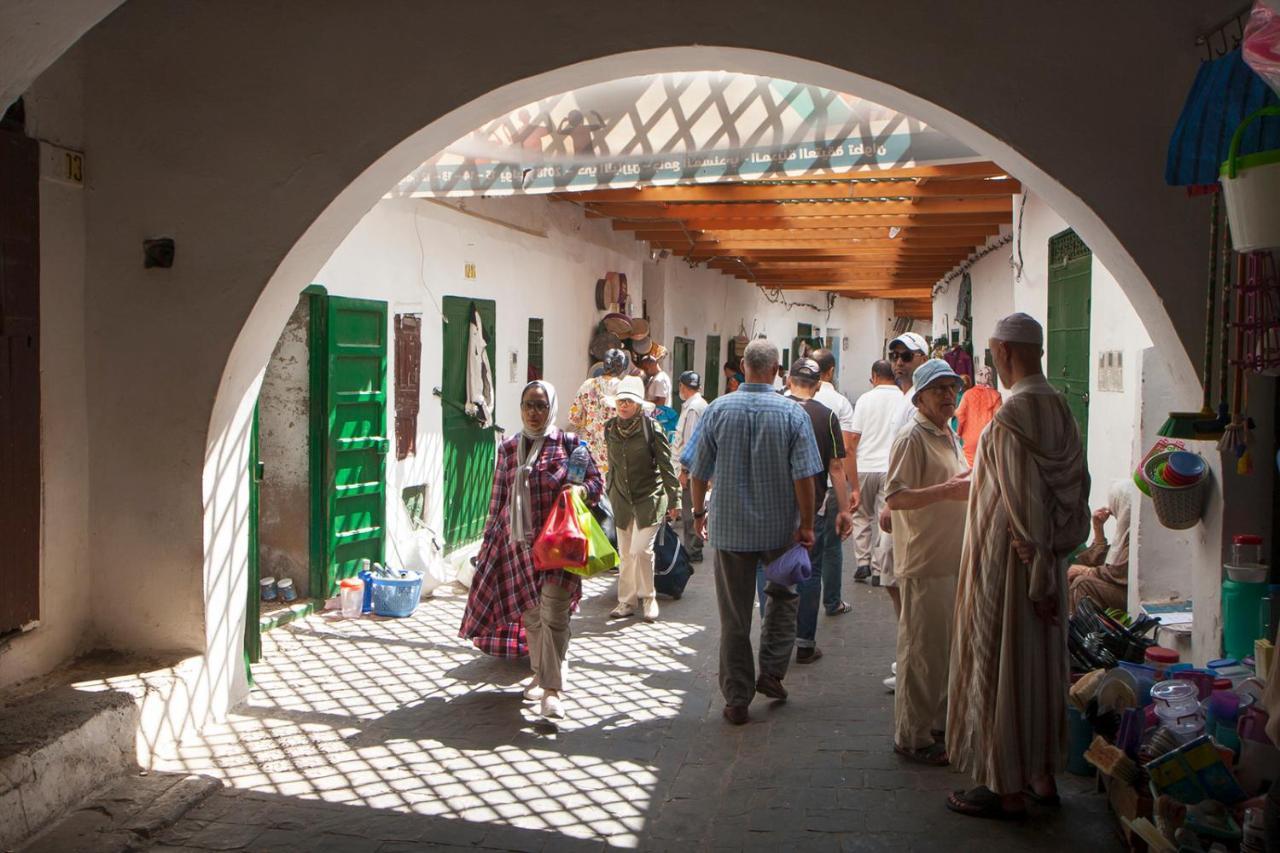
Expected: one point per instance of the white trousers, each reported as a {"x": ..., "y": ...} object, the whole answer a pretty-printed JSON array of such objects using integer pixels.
[{"x": 635, "y": 574}]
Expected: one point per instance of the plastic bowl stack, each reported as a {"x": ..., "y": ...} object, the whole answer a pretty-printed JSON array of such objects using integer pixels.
[{"x": 1178, "y": 483}]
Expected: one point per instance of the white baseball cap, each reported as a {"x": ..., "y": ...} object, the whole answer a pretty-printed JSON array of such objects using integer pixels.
[{"x": 911, "y": 341}]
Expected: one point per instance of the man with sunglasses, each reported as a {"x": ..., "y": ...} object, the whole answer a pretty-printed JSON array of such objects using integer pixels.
[{"x": 907, "y": 352}]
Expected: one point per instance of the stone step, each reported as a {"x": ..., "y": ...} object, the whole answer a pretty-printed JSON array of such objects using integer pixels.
[
  {"x": 56, "y": 748},
  {"x": 126, "y": 815}
]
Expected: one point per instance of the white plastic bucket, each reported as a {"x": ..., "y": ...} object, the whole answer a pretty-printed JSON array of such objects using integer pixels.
[{"x": 1251, "y": 189}]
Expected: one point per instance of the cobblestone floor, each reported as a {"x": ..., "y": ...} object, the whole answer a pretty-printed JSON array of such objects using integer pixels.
[{"x": 396, "y": 736}]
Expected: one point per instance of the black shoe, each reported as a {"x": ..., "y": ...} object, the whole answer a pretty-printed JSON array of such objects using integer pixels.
[
  {"x": 875, "y": 580},
  {"x": 862, "y": 574},
  {"x": 771, "y": 686},
  {"x": 808, "y": 655},
  {"x": 695, "y": 557}
]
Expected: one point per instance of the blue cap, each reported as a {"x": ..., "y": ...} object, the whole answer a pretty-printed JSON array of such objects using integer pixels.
[{"x": 932, "y": 372}]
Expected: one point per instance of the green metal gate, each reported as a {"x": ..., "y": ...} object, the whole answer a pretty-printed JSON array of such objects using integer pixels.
[
  {"x": 1070, "y": 264},
  {"x": 468, "y": 448}
]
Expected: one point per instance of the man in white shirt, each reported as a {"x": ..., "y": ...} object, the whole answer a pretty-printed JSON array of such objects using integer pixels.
[
  {"x": 692, "y": 405},
  {"x": 658, "y": 389},
  {"x": 906, "y": 352},
  {"x": 873, "y": 436},
  {"x": 833, "y": 558}
]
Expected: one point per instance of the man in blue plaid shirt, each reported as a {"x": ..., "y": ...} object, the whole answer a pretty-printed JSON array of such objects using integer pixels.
[{"x": 758, "y": 449}]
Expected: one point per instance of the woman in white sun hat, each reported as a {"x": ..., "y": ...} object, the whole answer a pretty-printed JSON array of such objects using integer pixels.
[{"x": 642, "y": 486}]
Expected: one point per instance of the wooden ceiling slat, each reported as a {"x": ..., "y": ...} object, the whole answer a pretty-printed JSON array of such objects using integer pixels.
[
  {"x": 782, "y": 223},
  {"x": 942, "y": 237},
  {"x": 815, "y": 191},
  {"x": 672, "y": 210},
  {"x": 848, "y": 244}
]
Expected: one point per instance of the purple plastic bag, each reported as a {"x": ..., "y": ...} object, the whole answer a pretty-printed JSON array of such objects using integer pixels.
[{"x": 791, "y": 568}]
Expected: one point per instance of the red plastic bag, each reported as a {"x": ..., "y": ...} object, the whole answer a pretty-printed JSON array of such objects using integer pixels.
[{"x": 562, "y": 543}]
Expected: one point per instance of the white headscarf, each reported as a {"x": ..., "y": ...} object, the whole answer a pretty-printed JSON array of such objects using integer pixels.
[
  {"x": 1118, "y": 501},
  {"x": 528, "y": 449}
]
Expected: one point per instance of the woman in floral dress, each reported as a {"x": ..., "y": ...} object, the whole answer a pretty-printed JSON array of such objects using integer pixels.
[
  {"x": 592, "y": 406},
  {"x": 512, "y": 608}
]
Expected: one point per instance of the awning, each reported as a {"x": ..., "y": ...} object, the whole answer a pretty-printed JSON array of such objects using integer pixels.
[{"x": 669, "y": 129}]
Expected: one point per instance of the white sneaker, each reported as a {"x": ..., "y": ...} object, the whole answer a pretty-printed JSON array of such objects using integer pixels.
[
  {"x": 650, "y": 610},
  {"x": 532, "y": 692},
  {"x": 891, "y": 683},
  {"x": 893, "y": 667},
  {"x": 622, "y": 611},
  {"x": 551, "y": 706}
]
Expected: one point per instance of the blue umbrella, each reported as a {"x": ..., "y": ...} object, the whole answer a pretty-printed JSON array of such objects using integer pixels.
[{"x": 1225, "y": 91}]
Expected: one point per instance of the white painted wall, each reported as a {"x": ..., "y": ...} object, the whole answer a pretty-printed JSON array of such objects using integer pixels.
[
  {"x": 54, "y": 108},
  {"x": 544, "y": 262}
]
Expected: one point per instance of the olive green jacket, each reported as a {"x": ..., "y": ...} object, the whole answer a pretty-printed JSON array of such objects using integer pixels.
[{"x": 641, "y": 486}]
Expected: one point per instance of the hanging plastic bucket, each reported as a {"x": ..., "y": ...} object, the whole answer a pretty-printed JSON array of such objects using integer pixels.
[{"x": 1251, "y": 188}]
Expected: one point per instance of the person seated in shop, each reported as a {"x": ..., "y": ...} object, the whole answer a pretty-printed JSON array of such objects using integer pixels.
[{"x": 1101, "y": 571}]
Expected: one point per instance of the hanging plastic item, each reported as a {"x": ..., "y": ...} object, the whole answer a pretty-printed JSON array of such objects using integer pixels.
[{"x": 1261, "y": 45}]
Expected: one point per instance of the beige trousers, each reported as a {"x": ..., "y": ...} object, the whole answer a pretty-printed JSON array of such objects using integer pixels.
[
  {"x": 546, "y": 627},
  {"x": 924, "y": 654},
  {"x": 866, "y": 518},
  {"x": 635, "y": 574}
]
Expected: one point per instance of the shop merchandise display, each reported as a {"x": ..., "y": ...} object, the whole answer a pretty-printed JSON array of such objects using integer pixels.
[{"x": 1181, "y": 751}]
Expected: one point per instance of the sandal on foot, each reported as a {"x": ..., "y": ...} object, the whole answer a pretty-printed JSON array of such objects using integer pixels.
[
  {"x": 1050, "y": 800},
  {"x": 842, "y": 608},
  {"x": 981, "y": 802},
  {"x": 935, "y": 754}
]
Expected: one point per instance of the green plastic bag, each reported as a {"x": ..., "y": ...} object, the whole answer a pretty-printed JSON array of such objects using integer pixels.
[{"x": 601, "y": 557}]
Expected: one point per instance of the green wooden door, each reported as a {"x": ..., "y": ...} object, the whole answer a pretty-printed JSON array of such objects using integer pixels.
[
  {"x": 252, "y": 627},
  {"x": 681, "y": 360},
  {"x": 354, "y": 437},
  {"x": 711, "y": 377},
  {"x": 1070, "y": 262},
  {"x": 468, "y": 447}
]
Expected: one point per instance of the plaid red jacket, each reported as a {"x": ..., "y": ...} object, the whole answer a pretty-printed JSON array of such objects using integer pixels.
[{"x": 506, "y": 584}]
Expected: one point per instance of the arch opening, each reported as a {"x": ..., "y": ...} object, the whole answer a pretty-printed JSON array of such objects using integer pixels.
[{"x": 225, "y": 482}]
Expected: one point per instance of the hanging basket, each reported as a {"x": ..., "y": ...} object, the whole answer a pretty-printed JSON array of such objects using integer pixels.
[
  {"x": 1251, "y": 189},
  {"x": 1177, "y": 507}
]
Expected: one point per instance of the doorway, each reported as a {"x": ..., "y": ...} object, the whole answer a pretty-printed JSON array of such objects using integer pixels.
[
  {"x": 711, "y": 378},
  {"x": 317, "y": 457},
  {"x": 1067, "y": 344},
  {"x": 681, "y": 360},
  {"x": 19, "y": 381},
  {"x": 468, "y": 443}
]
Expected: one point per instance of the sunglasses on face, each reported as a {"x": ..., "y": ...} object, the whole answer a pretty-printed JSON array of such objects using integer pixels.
[
  {"x": 903, "y": 355},
  {"x": 535, "y": 407}
]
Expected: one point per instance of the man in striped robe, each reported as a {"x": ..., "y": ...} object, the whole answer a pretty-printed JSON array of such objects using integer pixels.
[{"x": 1028, "y": 510}]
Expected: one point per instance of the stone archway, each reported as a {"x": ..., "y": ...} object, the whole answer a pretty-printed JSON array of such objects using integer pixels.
[{"x": 225, "y": 504}]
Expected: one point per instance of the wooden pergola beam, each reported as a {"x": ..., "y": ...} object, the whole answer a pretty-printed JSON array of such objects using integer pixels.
[
  {"x": 832, "y": 190},
  {"x": 958, "y": 236},
  {"x": 782, "y": 223},
  {"x": 733, "y": 247},
  {"x": 674, "y": 210}
]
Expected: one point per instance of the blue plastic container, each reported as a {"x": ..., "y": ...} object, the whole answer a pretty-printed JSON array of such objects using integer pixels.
[
  {"x": 367, "y": 577},
  {"x": 397, "y": 596},
  {"x": 1079, "y": 736}
]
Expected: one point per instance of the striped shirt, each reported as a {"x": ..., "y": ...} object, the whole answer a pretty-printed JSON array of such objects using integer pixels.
[{"x": 753, "y": 445}]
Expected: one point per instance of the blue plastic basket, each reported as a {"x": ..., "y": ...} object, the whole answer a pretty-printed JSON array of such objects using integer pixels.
[{"x": 397, "y": 596}]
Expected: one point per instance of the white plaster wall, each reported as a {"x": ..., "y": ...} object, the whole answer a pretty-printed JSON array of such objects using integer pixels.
[
  {"x": 412, "y": 253},
  {"x": 54, "y": 109},
  {"x": 699, "y": 302},
  {"x": 175, "y": 357}
]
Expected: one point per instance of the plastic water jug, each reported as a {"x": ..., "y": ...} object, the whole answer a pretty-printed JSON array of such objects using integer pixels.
[
  {"x": 1241, "y": 607},
  {"x": 351, "y": 591},
  {"x": 579, "y": 460}
]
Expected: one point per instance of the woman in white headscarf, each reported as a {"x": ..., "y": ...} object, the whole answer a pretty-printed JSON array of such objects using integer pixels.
[
  {"x": 512, "y": 608},
  {"x": 1101, "y": 572}
]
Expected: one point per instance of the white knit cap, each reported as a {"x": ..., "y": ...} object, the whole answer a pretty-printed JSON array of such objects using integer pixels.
[{"x": 1020, "y": 328}]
